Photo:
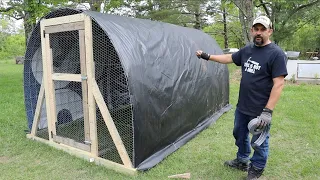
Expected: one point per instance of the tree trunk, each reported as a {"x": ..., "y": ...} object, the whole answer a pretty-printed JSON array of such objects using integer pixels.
[
  {"x": 29, "y": 19},
  {"x": 28, "y": 26},
  {"x": 225, "y": 32},
  {"x": 197, "y": 24},
  {"x": 274, "y": 18},
  {"x": 246, "y": 17},
  {"x": 95, "y": 5}
]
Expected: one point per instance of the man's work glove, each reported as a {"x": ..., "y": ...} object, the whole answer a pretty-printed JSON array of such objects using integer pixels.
[
  {"x": 265, "y": 118},
  {"x": 203, "y": 55}
]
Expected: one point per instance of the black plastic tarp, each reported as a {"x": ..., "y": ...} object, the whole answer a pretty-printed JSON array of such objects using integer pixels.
[{"x": 174, "y": 94}]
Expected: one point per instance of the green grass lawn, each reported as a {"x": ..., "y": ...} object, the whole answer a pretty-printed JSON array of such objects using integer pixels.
[{"x": 294, "y": 143}]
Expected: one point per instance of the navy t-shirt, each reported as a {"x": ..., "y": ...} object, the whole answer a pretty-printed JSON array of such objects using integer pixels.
[{"x": 259, "y": 66}]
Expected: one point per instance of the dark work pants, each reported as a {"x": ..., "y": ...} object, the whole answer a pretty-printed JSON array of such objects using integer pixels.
[{"x": 241, "y": 135}]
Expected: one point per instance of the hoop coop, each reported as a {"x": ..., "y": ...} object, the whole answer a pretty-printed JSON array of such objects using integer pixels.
[{"x": 120, "y": 91}]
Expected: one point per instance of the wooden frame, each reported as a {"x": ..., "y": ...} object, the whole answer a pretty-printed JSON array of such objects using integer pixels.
[
  {"x": 87, "y": 156},
  {"x": 90, "y": 93}
]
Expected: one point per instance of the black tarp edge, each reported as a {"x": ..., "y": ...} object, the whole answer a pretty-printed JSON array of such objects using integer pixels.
[{"x": 160, "y": 155}]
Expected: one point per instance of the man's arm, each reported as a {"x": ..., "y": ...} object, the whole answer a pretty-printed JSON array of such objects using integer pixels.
[
  {"x": 224, "y": 59},
  {"x": 278, "y": 84},
  {"x": 266, "y": 115}
]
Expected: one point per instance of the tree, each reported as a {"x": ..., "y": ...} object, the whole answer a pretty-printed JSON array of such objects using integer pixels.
[
  {"x": 226, "y": 26},
  {"x": 306, "y": 38},
  {"x": 28, "y": 10},
  {"x": 246, "y": 17},
  {"x": 287, "y": 15},
  {"x": 225, "y": 31},
  {"x": 183, "y": 13},
  {"x": 11, "y": 41},
  {"x": 31, "y": 10}
]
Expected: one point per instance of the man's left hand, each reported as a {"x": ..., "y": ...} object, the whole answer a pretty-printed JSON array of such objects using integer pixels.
[{"x": 265, "y": 117}]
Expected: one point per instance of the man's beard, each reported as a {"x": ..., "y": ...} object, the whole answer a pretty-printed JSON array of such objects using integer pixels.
[{"x": 258, "y": 43}]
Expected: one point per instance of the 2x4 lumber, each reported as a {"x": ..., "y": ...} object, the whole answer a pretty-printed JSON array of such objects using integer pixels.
[
  {"x": 71, "y": 142},
  {"x": 181, "y": 176},
  {"x": 50, "y": 95},
  {"x": 87, "y": 156},
  {"x": 63, "y": 20},
  {"x": 36, "y": 118},
  {"x": 72, "y": 26},
  {"x": 84, "y": 85},
  {"x": 45, "y": 76},
  {"x": 66, "y": 77},
  {"x": 110, "y": 125},
  {"x": 91, "y": 78}
]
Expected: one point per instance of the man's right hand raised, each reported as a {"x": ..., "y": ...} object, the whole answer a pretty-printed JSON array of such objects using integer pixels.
[{"x": 203, "y": 55}]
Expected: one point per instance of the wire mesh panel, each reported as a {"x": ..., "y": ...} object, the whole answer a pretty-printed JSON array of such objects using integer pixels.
[
  {"x": 32, "y": 74},
  {"x": 42, "y": 131},
  {"x": 65, "y": 52},
  {"x": 113, "y": 86},
  {"x": 70, "y": 122},
  {"x": 69, "y": 105}
]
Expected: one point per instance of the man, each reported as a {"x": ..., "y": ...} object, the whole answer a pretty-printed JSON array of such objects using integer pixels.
[{"x": 263, "y": 66}]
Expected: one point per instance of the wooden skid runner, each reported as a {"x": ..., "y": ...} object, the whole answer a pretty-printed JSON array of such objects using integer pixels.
[{"x": 87, "y": 156}]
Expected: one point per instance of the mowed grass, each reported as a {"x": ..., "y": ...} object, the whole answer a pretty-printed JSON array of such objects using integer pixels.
[{"x": 294, "y": 143}]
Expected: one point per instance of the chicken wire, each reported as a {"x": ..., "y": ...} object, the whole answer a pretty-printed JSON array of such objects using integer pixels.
[
  {"x": 110, "y": 78},
  {"x": 113, "y": 85}
]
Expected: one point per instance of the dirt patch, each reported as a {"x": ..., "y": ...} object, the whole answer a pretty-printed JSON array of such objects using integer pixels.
[{"x": 4, "y": 160}]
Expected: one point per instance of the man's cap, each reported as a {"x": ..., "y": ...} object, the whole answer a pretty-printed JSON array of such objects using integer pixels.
[{"x": 264, "y": 20}]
